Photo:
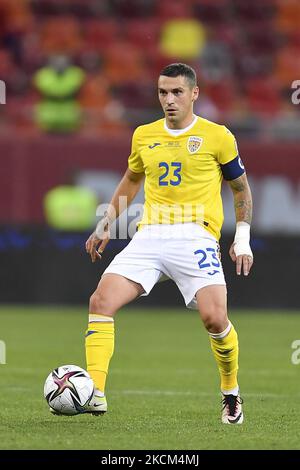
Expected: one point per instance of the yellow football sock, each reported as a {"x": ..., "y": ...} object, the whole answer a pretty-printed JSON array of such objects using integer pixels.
[
  {"x": 99, "y": 347},
  {"x": 226, "y": 350}
]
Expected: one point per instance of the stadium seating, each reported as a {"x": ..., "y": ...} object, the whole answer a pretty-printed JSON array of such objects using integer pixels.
[{"x": 130, "y": 42}]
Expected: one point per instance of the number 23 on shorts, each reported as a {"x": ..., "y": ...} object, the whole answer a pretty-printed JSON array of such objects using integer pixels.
[{"x": 208, "y": 258}]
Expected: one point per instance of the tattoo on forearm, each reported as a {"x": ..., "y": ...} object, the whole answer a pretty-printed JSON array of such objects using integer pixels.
[
  {"x": 242, "y": 199},
  {"x": 237, "y": 185},
  {"x": 243, "y": 210}
]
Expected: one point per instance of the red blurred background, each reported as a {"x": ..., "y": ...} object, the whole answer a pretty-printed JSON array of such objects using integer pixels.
[
  {"x": 246, "y": 54},
  {"x": 80, "y": 75}
]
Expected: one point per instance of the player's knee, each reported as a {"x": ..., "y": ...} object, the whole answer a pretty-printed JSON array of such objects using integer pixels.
[
  {"x": 100, "y": 303},
  {"x": 214, "y": 318}
]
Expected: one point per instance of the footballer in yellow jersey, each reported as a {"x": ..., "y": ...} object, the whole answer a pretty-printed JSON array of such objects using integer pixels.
[
  {"x": 182, "y": 160},
  {"x": 184, "y": 172}
]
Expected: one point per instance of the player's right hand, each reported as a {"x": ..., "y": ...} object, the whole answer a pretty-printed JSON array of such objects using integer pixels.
[{"x": 96, "y": 243}]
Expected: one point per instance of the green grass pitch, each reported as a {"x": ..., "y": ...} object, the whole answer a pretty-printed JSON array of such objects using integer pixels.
[{"x": 163, "y": 384}]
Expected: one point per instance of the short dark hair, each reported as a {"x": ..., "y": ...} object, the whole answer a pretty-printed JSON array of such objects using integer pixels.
[{"x": 175, "y": 70}]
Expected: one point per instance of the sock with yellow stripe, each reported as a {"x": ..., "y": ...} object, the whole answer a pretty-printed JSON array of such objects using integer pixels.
[
  {"x": 226, "y": 350},
  {"x": 99, "y": 347}
]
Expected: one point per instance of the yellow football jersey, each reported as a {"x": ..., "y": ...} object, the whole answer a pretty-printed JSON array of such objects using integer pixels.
[{"x": 183, "y": 173}]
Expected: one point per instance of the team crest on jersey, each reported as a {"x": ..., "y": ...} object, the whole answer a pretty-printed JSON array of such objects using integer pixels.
[{"x": 194, "y": 143}]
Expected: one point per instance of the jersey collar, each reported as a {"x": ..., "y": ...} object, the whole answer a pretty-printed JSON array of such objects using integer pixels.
[{"x": 177, "y": 132}]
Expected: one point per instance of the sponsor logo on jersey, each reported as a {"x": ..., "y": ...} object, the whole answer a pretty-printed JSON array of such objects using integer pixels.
[
  {"x": 173, "y": 144},
  {"x": 154, "y": 145},
  {"x": 194, "y": 143}
]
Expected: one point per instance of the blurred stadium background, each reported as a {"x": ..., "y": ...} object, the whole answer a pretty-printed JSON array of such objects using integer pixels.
[{"x": 80, "y": 75}]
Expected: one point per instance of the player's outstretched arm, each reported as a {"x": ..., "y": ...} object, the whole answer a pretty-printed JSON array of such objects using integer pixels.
[
  {"x": 240, "y": 250},
  {"x": 128, "y": 188}
]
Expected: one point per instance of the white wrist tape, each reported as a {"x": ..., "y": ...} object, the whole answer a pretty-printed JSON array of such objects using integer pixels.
[
  {"x": 242, "y": 239},
  {"x": 102, "y": 227}
]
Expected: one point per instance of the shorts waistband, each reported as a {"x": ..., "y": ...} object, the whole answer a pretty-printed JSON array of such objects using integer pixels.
[{"x": 189, "y": 230}]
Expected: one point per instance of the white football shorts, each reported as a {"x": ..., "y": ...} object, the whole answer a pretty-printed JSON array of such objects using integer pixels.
[{"x": 185, "y": 253}]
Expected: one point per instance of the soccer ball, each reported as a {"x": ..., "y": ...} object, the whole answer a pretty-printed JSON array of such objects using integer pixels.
[{"x": 68, "y": 390}]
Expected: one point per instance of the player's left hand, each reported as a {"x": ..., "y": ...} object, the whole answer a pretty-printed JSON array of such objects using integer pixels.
[{"x": 243, "y": 262}]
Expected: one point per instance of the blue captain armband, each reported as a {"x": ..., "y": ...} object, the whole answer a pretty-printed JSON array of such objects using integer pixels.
[{"x": 233, "y": 169}]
